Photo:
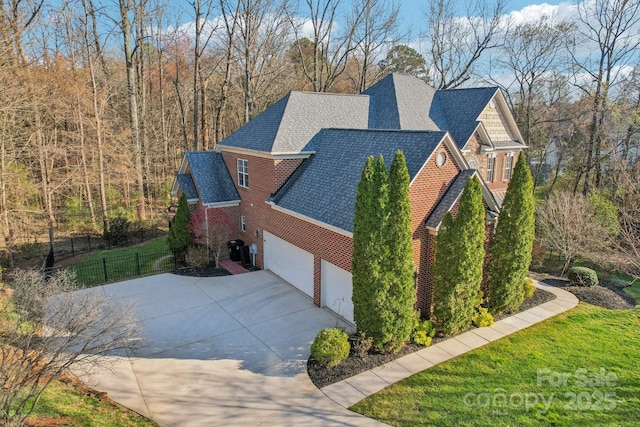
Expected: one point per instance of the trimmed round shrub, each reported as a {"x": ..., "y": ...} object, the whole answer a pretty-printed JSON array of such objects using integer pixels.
[
  {"x": 583, "y": 276},
  {"x": 529, "y": 288},
  {"x": 330, "y": 347}
]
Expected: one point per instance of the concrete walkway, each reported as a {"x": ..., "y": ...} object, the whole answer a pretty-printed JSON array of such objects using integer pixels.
[
  {"x": 352, "y": 390},
  {"x": 232, "y": 267}
]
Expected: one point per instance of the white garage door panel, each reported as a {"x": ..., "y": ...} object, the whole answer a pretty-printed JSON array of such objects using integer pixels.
[
  {"x": 336, "y": 290},
  {"x": 288, "y": 261}
]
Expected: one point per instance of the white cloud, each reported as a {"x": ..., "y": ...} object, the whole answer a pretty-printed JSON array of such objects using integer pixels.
[{"x": 564, "y": 11}]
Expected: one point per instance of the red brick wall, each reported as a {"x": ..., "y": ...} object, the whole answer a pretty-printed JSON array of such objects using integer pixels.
[
  {"x": 259, "y": 216},
  {"x": 425, "y": 192},
  {"x": 284, "y": 169},
  {"x": 266, "y": 175}
]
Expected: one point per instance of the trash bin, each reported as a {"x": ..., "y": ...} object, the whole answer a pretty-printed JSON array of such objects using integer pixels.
[
  {"x": 235, "y": 246},
  {"x": 245, "y": 257}
]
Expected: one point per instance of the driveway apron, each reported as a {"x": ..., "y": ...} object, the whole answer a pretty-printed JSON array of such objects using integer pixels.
[{"x": 221, "y": 351}]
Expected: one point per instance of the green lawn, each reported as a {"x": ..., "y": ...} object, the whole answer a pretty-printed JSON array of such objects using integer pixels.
[
  {"x": 62, "y": 401},
  {"x": 579, "y": 368},
  {"x": 634, "y": 291},
  {"x": 113, "y": 264}
]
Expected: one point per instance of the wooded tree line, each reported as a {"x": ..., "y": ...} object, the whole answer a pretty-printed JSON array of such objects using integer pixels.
[{"x": 101, "y": 99}]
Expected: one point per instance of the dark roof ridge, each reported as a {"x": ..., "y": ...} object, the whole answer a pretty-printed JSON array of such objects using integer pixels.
[
  {"x": 388, "y": 130},
  {"x": 469, "y": 88},
  {"x": 309, "y": 92}
]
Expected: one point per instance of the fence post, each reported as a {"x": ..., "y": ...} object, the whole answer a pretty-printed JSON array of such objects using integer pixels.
[
  {"x": 89, "y": 239},
  {"x": 73, "y": 252},
  {"x": 138, "y": 263},
  {"x": 104, "y": 266}
]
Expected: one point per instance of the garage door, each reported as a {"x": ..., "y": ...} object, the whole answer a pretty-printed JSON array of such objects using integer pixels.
[
  {"x": 336, "y": 290},
  {"x": 288, "y": 261}
]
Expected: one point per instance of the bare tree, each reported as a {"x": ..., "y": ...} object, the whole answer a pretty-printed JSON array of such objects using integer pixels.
[
  {"x": 212, "y": 228},
  {"x": 377, "y": 27},
  {"x": 46, "y": 330},
  {"x": 89, "y": 21},
  {"x": 229, "y": 15},
  {"x": 262, "y": 38},
  {"x": 325, "y": 54},
  {"x": 457, "y": 43},
  {"x": 126, "y": 9},
  {"x": 533, "y": 56},
  {"x": 611, "y": 31},
  {"x": 203, "y": 25},
  {"x": 627, "y": 201},
  {"x": 571, "y": 226}
]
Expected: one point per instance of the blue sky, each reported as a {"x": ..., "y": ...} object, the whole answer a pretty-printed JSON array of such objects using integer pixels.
[{"x": 413, "y": 16}]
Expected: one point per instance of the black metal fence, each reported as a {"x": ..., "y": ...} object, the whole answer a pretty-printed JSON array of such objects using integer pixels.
[
  {"x": 112, "y": 268},
  {"x": 77, "y": 245}
]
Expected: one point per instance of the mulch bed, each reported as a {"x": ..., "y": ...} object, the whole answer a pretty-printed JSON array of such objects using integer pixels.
[
  {"x": 208, "y": 271},
  {"x": 604, "y": 295},
  {"x": 322, "y": 376}
]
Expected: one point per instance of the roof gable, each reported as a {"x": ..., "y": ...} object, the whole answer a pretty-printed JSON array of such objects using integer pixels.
[
  {"x": 458, "y": 110},
  {"x": 324, "y": 186},
  {"x": 186, "y": 185},
  {"x": 452, "y": 195},
  {"x": 211, "y": 177}
]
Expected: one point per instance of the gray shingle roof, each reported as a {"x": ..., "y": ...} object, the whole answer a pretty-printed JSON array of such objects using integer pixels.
[
  {"x": 211, "y": 177},
  {"x": 289, "y": 124},
  {"x": 399, "y": 101},
  {"x": 458, "y": 110},
  {"x": 324, "y": 187},
  {"x": 186, "y": 185},
  {"x": 451, "y": 196}
]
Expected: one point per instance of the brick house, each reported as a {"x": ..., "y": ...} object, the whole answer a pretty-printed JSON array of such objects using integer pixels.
[{"x": 289, "y": 176}]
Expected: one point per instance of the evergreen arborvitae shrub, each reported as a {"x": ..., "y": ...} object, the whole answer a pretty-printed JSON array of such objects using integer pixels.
[
  {"x": 511, "y": 246},
  {"x": 382, "y": 269},
  {"x": 398, "y": 312},
  {"x": 330, "y": 347},
  {"x": 180, "y": 237},
  {"x": 459, "y": 255},
  {"x": 369, "y": 251}
]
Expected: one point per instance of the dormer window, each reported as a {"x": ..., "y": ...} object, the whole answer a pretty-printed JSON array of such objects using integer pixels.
[
  {"x": 508, "y": 167},
  {"x": 243, "y": 173},
  {"x": 491, "y": 167}
]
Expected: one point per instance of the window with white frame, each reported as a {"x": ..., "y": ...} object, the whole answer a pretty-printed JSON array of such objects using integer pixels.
[
  {"x": 491, "y": 167},
  {"x": 243, "y": 223},
  {"x": 243, "y": 173},
  {"x": 508, "y": 166}
]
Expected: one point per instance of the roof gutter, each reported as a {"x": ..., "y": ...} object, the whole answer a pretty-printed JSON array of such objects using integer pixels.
[
  {"x": 305, "y": 218},
  {"x": 222, "y": 204}
]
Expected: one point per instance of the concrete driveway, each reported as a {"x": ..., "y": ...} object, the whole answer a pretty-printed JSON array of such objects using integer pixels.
[{"x": 222, "y": 351}]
